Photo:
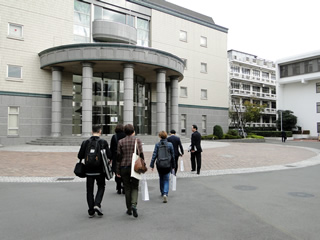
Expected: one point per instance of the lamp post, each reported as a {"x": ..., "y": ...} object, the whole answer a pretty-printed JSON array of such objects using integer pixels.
[{"x": 281, "y": 119}]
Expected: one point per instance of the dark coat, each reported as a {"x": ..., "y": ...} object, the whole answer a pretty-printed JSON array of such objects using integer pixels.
[
  {"x": 196, "y": 141},
  {"x": 113, "y": 148},
  {"x": 176, "y": 142}
]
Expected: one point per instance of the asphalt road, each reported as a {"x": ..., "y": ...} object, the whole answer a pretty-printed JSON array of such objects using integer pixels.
[{"x": 271, "y": 205}]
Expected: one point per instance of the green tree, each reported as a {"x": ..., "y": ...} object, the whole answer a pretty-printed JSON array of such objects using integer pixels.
[
  {"x": 252, "y": 111},
  {"x": 289, "y": 120},
  {"x": 217, "y": 131}
]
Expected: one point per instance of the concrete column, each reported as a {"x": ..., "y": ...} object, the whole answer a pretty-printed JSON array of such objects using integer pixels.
[
  {"x": 128, "y": 74},
  {"x": 161, "y": 100},
  {"x": 56, "y": 101},
  {"x": 168, "y": 88},
  {"x": 175, "y": 103},
  {"x": 87, "y": 74}
]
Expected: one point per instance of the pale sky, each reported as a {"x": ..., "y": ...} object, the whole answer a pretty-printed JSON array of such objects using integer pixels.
[{"x": 272, "y": 29}]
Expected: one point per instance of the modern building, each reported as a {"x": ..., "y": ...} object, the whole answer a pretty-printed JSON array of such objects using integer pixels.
[
  {"x": 68, "y": 64},
  {"x": 252, "y": 79},
  {"x": 298, "y": 89}
]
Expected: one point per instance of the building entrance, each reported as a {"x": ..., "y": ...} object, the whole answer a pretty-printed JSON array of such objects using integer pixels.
[{"x": 107, "y": 103}]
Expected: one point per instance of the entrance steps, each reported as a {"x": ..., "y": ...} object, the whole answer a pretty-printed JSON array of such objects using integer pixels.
[{"x": 77, "y": 140}]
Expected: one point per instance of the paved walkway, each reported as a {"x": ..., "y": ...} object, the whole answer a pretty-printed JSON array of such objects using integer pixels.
[{"x": 27, "y": 163}]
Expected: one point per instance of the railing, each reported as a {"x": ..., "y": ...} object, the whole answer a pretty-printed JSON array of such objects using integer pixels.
[
  {"x": 251, "y": 78},
  {"x": 257, "y": 125},
  {"x": 247, "y": 93},
  {"x": 265, "y": 111}
]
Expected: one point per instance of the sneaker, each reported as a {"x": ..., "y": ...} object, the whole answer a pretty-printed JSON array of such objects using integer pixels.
[
  {"x": 129, "y": 212},
  {"x": 165, "y": 198},
  {"x": 135, "y": 212},
  {"x": 98, "y": 210},
  {"x": 91, "y": 215}
]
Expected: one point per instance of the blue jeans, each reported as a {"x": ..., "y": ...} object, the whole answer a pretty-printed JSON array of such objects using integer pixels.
[{"x": 164, "y": 183}]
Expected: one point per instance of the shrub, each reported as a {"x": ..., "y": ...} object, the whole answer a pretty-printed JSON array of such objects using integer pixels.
[
  {"x": 251, "y": 135},
  {"x": 217, "y": 130},
  {"x": 208, "y": 137},
  {"x": 230, "y": 136},
  {"x": 233, "y": 132}
]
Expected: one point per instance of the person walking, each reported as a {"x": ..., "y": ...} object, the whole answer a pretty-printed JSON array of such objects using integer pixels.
[
  {"x": 124, "y": 161},
  {"x": 119, "y": 134},
  {"x": 90, "y": 151},
  {"x": 176, "y": 142},
  {"x": 283, "y": 136},
  {"x": 164, "y": 154},
  {"x": 195, "y": 149}
]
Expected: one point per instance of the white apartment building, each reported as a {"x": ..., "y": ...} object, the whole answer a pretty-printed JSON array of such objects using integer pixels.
[
  {"x": 68, "y": 64},
  {"x": 298, "y": 88},
  {"x": 253, "y": 79}
]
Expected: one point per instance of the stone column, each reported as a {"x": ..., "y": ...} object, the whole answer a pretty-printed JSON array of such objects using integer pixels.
[
  {"x": 56, "y": 101},
  {"x": 168, "y": 88},
  {"x": 175, "y": 103},
  {"x": 128, "y": 74},
  {"x": 87, "y": 74},
  {"x": 161, "y": 100}
]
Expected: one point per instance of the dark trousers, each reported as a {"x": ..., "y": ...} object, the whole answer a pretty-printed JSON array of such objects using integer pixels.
[
  {"x": 131, "y": 187},
  {"x": 95, "y": 201},
  {"x": 119, "y": 183},
  {"x": 196, "y": 156},
  {"x": 176, "y": 158}
]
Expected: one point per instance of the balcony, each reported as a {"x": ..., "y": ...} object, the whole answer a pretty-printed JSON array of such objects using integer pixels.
[
  {"x": 252, "y": 94},
  {"x": 105, "y": 31},
  {"x": 254, "y": 79},
  {"x": 266, "y": 111}
]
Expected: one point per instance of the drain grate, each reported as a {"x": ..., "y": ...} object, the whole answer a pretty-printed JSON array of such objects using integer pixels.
[
  {"x": 301, "y": 194},
  {"x": 65, "y": 179}
]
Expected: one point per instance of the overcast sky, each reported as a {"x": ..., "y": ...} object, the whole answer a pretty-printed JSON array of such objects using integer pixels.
[{"x": 272, "y": 29}]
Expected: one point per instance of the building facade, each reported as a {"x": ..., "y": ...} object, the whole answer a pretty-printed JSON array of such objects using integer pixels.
[
  {"x": 298, "y": 89},
  {"x": 66, "y": 65},
  {"x": 252, "y": 79}
]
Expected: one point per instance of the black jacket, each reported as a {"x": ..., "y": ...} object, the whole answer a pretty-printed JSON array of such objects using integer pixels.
[
  {"x": 103, "y": 145},
  {"x": 196, "y": 141},
  {"x": 176, "y": 142},
  {"x": 113, "y": 148}
]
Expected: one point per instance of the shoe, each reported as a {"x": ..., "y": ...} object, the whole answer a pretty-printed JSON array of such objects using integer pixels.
[
  {"x": 135, "y": 212},
  {"x": 119, "y": 191},
  {"x": 123, "y": 192},
  {"x": 129, "y": 212},
  {"x": 91, "y": 215},
  {"x": 98, "y": 210},
  {"x": 193, "y": 171},
  {"x": 165, "y": 198}
]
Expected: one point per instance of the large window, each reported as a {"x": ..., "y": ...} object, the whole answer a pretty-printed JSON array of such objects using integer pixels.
[
  {"x": 13, "y": 121},
  {"x": 14, "y": 72},
  {"x": 246, "y": 87},
  {"x": 143, "y": 32},
  {"x": 296, "y": 69},
  {"x": 265, "y": 75},
  {"x": 256, "y": 73},
  {"x": 246, "y": 71},
  {"x": 284, "y": 71},
  {"x": 318, "y": 107},
  {"x": 15, "y": 31},
  {"x": 82, "y": 22},
  {"x": 235, "y": 85},
  {"x": 308, "y": 67},
  {"x": 235, "y": 69},
  {"x": 318, "y": 87}
]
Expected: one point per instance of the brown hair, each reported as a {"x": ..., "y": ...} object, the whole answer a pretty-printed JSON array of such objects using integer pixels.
[
  {"x": 128, "y": 129},
  {"x": 119, "y": 128},
  {"x": 163, "y": 134}
]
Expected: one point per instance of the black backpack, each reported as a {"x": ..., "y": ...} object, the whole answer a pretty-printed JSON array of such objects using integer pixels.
[
  {"x": 164, "y": 158},
  {"x": 93, "y": 156}
]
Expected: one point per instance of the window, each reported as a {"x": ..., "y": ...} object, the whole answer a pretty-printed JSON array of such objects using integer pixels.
[
  {"x": 318, "y": 107},
  {"x": 183, "y": 123},
  {"x": 284, "y": 71},
  {"x": 235, "y": 69},
  {"x": 318, "y": 127},
  {"x": 235, "y": 85},
  {"x": 203, "y": 41},
  {"x": 318, "y": 87},
  {"x": 256, "y": 88},
  {"x": 13, "y": 121},
  {"x": 308, "y": 67},
  {"x": 204, "y": 94},
  {"x": 296, "y": 69},
  {"x": 204, "y": 123},
  {"x": 265, "y": 90},
  {"x": 246, "y": 87},
  {"x": 183, "y": 36},
  {"x": 15, "y": 31},
  {"x": 203, "y": 67},
  {"x": 265, "y": 75},
  {"x": 256, "y": 73},
  {"x": 246, "y": 71},
  {"x": 273, "y": 76},
  {"x": 142, "y": 32},
  {"x": 14, "y": 72},
  {"x": 82, "y": 22},
  {"x": 185, "y": 62},
  {"x": 183, "y": 92}
]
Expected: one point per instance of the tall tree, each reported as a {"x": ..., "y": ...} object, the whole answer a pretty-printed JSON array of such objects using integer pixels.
[{"x": 289, "y": 120}]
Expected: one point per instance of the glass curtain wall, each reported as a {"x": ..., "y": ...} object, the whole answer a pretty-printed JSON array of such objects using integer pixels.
[{"x": 107, "y": 103}]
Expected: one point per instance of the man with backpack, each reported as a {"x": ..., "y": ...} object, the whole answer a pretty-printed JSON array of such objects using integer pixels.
[
  {"x": 164, "y": 153},
  {"x": 90, "y": 150}
]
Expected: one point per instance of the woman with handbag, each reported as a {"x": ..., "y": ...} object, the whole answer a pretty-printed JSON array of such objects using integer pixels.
[
  {"x": 164, "y": 154},
  {"x": 126, "y": 148}
]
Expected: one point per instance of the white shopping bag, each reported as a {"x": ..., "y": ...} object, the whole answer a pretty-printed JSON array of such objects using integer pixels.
[
  {"x": 181, "y": 165},
  {"x": 144, "y": 189},
  {"x": 173, "y": 182}
]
